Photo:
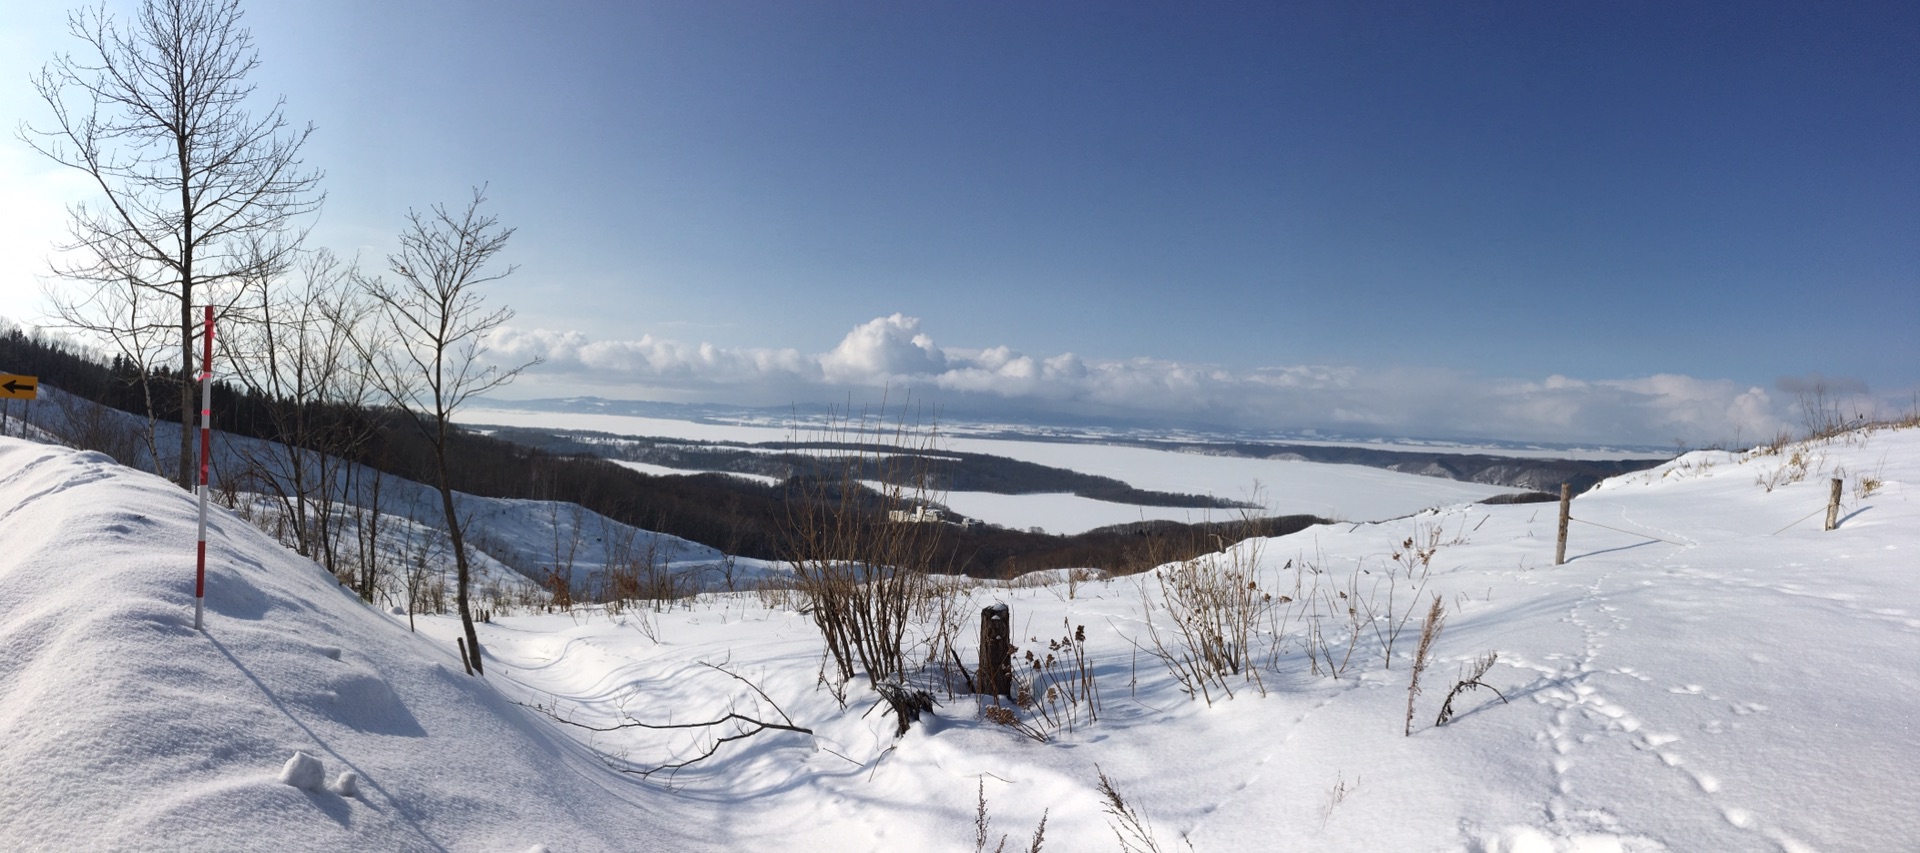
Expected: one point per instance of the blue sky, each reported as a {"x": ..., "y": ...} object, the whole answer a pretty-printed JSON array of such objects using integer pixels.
[{"x": 1582, "y": 221}]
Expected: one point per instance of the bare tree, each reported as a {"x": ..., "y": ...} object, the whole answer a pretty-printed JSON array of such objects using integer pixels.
[
  {"x": 155, "y": 114},
  {"x": 291, "y": 347},
  {"x": 432, "y": 329}
]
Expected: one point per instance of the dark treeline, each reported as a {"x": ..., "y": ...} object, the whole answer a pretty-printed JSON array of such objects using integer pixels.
[
  {"x": 736, "y": 515},
  {"x": 1122, "y": 549}
]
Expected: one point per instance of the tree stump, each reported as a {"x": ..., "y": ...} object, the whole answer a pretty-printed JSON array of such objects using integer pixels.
[
  {"x": 1833, "y": 504},
  {"x": 995, "y": 675}
]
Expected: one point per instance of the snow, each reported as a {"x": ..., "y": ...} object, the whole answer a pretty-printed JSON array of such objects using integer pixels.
[
  {"x": 125, "y": 729},
  {"x": 1277, "y": 486},
  {"x": 1065, "y": 514},
  {"x": 1710, "y": 670},
  {"x": 304, "y": 771},
  {"x": 664, "y": 471}
]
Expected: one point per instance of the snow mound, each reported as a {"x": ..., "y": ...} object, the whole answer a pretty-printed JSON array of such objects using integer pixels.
[{"x": 140, "y": 733}]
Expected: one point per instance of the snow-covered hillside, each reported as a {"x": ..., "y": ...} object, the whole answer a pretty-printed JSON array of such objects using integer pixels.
[
  {"x": 515, "y": 543},
  {"x": 1709, "y": 671}
]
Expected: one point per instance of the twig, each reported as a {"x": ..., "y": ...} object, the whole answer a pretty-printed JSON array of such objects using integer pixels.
[{"x": 1480, "y": 667}]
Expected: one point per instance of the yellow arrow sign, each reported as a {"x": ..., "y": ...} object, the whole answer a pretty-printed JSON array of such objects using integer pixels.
[{"x": 19, "y": 387}]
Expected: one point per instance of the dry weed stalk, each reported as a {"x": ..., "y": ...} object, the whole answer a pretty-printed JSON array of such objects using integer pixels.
[
  {"x": 1001, "y": 715},
  {"x": 1337, "y": 796},
  {"x": 1059, "y": 689},
  {"x": 981, "y": 823},
  {"x": 1429, "y": 632},
  {"x": 1129, "y": 824},
  {"x": 1468, "y": 680}
]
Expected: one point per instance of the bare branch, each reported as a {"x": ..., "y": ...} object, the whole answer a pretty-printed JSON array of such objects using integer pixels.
[{"x": 751, "y": 726}]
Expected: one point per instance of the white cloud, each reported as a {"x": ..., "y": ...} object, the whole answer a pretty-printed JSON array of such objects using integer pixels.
[
  {"x": 884, "y": 349},
  {"x": 897, "y": 353}
]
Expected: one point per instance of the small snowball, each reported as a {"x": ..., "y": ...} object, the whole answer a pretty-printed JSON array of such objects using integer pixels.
[
  {"x": 1524, "y": 839},
  {"x": 347, "y": 784},
  {"x": 303, "y": 771}
]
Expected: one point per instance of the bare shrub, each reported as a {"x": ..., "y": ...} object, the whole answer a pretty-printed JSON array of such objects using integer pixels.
[
  {"x": 1335, "y": 624},
  {"x": 906, "y": 703},
  {"x": 945, "y": 612},
  {"x": 1821, "y": 412},
  {"x": 1868, "y": 484},
  {"x": 638, "y": 567},
  {"x": 1216, "y": 607},
  {"x": 861, "y": 570},
  {"x": 86, "y": 425},
  {"x": 1412, "y": 563},
  {"x": 777, "y": 594},
  {"x": 1792, "y": 471}
]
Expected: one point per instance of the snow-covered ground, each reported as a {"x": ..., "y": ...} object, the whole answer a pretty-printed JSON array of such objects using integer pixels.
[
  {"x": 664, "y": 471},
  {"x": 1709, "y": 671}
]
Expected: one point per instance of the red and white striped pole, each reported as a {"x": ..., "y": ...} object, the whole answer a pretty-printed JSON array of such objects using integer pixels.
[{"x": 206, "y": 451}]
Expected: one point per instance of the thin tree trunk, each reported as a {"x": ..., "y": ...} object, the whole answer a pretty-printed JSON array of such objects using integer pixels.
[
  {"x": 187, "y": 375},
  {"x": 462, "y": 575}
]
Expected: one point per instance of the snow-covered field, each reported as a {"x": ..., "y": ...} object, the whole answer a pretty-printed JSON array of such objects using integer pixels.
[
  {"x": 1709, "y": 671},
  {"x": 664, "y": 471},
  {"x": 1279, "y": 486}
]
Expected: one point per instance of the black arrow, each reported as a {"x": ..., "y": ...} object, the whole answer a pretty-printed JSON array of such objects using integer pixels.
[{"x": 13, "y": 386}]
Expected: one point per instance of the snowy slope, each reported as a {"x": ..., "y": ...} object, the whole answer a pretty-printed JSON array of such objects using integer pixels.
[
  {"x": 1709, "y": 671},
  {"x": 517, "y": 541},
  {"x": 122, "y": 728},
  {"x": 1728, "y": 689}
]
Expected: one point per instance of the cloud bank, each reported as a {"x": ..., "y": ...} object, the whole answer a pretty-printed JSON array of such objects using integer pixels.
[{"x": 896, "y": 353}]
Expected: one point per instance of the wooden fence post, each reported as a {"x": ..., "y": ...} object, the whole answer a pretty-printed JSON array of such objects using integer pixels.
[
  {"x": 1833, "y": 505},
  {"x": 995, "y": 675},
  {"x": 1566, "y": 512}
]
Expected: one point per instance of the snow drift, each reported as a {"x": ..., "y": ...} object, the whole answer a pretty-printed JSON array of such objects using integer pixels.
[{"x": 122, "y": 728}]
